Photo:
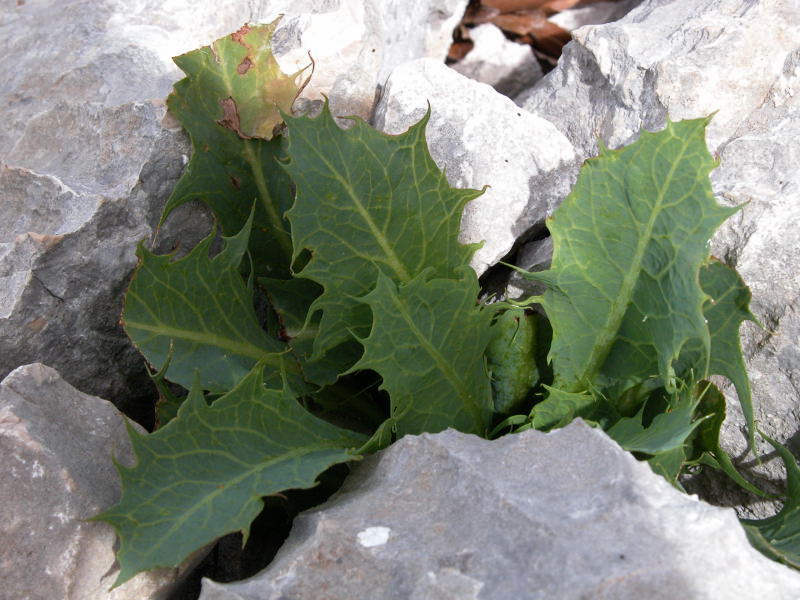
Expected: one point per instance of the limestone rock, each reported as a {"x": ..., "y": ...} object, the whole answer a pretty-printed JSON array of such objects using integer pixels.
[
  {"x": 687, "y": 60},
  {"x": 73, "y": 211},
  {"x": 482, "y": 138},
  {"x": 563, "y": 515},
  {"x": 505, "y": 65},
  {"x": 57, "y": 471},
  {"x": 595, "y": 13},
  {"x": 356, "y": 44}
]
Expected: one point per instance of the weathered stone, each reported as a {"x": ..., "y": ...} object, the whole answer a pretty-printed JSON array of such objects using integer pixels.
[
  {"x": 356, "y": 44},
  {"x": 88, "y": 158},
  {"x": 687, "y": 60},
  {"x": 495, "y": 60},
  {"x": 57, "y": 471},
  {"x": 481, "y": 138},
  {"x": 595, "y": 13},
  {"x": 563, "y": 515}
]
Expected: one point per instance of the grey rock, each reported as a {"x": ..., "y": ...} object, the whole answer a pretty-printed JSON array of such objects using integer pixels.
[
  {"x": 495, "y": 60},
  {"x": 596, "y": 13},
  {"x": 482, "y": 138},
  {"x": 57, "y": 471},
  {"x": 687, "y": 60},
  {"x": 356, "y": 44},
  {"x": 74, "y": 207},
  {"x": 88, "y": 158},
  {"x": 533, "y": 256},
  {"x": 563, "y": 515}
]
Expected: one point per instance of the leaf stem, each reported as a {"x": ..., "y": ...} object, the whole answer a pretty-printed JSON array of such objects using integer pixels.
[{"x": 265, "y": 196}]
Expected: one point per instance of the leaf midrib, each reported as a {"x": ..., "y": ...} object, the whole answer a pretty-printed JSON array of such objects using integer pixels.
[
  {"x": 608, "y": 333},
  {"x": 296, "y": 454},
  {"x": 246, "y": 349},
  {"x": 392, "y": 260},
  {"x": 442, "y": 364}
]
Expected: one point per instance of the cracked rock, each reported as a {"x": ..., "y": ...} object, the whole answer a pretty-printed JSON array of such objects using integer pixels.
[{"x": 565, "y": 515}]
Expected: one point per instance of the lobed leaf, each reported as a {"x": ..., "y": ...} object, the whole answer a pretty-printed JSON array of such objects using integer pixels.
[
  {"x": 624, "y": 296},
  {"x": 667, "y": 432},
  {"x": 291, "y": 300},
  {"x": 204, "y": 474},
  {"x": 368, "y": 203},
  {"x": 428, "y": 342},
  {"x": 197, "y": 314},
  {"x": 229, "y": 103},
  {"x": 560, "y": 408},
  {"x": 728, "y": 306}
]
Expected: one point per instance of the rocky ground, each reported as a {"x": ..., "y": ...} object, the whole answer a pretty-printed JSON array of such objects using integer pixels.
[{"x": 88, "y": 156}]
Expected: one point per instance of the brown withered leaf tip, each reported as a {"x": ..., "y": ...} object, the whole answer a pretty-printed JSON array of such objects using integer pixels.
[{"x": 238, "y": 35}]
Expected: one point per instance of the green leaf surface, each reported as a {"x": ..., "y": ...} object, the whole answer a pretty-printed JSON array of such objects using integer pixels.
[
  {"x": 706, "y": 448},
  {"x": 727, "y": 308},
  {"x": 624, "y": 296},
  {"x": 291, "y": 299},
  {"x": 204, "y": 474},
  {"x": 778, "y": 537},
  {"x": 197, "y": 313},
  {"x": 669, "y": 465},
  {"x": 428, "y": 342},
  {"x": 367, "y": 203},
  {"x": 560, "y": 408},
  {"x": 666, "y": 432},
  {"x": 511, "y": 357},
  {"x": 229, "y": 102}
]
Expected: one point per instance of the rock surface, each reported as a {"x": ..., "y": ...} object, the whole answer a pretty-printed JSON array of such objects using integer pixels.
[
  {"x": 563, "y": 515},
  {"x": 687, "y": 60},
  {"x": 57, "y": 471},
  {"x": 595, "y": 13},
  {"x": 87, "y": 156},
  {"x": 505, "y": 65},
  {"x": 482, "y": 138}
]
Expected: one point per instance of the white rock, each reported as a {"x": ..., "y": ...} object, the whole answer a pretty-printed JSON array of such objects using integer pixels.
[
  {"x": 481, "y": 138},
  {"x": 593, "y": 14},
  {"x": 532, "y": 516},
  {"x": 505, "y": 65},
  {"x": 57, "y": 471}
]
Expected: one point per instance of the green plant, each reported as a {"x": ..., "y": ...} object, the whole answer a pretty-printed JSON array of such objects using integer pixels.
[{"x": 341, "y": 260}]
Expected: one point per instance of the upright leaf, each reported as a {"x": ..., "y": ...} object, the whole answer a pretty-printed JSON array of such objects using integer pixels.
[
  {"x": 728, "y": 306},
  {"x": 204, "y": 474},
  {"x": 368, "y": 203},
  {"x": 230, "y": 102},
  {"x": 197, "y": 313},
  {"x": 624, "y": 295},
  {"x": 427, "y": 342}
]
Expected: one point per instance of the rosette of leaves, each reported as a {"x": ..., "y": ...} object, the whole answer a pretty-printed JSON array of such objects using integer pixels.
[{"x": 340, "y": 257}]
